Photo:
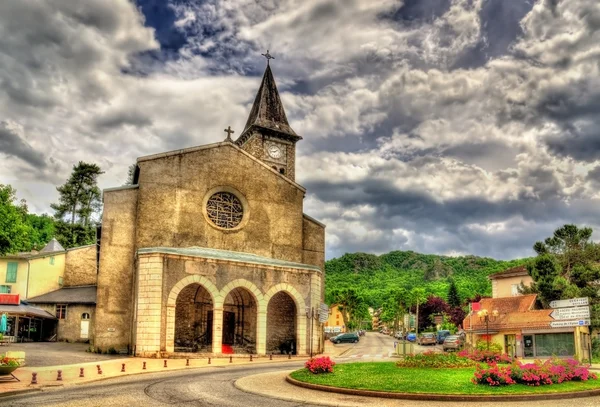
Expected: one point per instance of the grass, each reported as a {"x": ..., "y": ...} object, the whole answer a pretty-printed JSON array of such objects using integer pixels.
[{"x": 387, "y": 377}]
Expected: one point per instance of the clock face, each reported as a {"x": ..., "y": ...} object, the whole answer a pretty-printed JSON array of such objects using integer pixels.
[{"x": 274, "y": 151}]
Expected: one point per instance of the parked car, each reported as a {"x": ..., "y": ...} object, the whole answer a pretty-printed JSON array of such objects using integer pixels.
[
  {"x": 351, "y": 337},
  {"x": 428, "y": 338},
  {"x": 398, "y": 335},
  {"x": 453, "y": 342},
  {"x": 411, "y": 337},
  {"x": 441, "y": 335}
]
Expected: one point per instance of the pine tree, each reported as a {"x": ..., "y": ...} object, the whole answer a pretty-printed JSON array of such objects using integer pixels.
[
  {"x": 453, "y": 297},
  {"x": 79, "y": 201}
]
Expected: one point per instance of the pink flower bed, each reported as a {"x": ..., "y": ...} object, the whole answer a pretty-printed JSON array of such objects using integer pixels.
[
  {"x": 552, "y": 371},
  {"x": 320, "y": 365}
]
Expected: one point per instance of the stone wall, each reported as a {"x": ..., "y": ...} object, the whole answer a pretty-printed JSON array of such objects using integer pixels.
[
  {"x": 281, "y": 323},
  {"x": 69, "y": 329},
  {"x": 80, "y": 266},
  {"x": 115, "y": 295},
  {"x": 173, "y": 188}
]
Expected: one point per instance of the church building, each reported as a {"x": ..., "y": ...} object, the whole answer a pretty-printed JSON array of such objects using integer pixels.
[{"x": 210, "y": 251}]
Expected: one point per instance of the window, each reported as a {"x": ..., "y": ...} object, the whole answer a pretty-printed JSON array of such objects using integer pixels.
[
  {"x": 5, "y": 289},
  {"x": 559, "y": 344},
  {"x": 60, "y": 281},
  {"x": 11, "y": 272},
  {"x": 514, "y": 290},
  {"x": 282, "y": 171},
  {"x": 225, "y": 210},
  {"x": 85, "y": 315},
  {"x": 52, "y": 260},
  {"x": 61, "y": 311}
]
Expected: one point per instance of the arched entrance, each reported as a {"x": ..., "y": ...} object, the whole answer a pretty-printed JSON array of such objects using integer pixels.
[
  {"x": 239, "y": 322},
  {"x": 281, "y": 324},
  {"x": 193, "y": 319}
]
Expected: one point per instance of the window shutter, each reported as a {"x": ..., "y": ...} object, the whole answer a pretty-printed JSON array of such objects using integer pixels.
[{"x": 11, "y": 272}]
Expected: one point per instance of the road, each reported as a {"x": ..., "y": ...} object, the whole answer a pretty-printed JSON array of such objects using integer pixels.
[
  {"x": 376, "y": 347},
  {"x": 210, "y": 387}
]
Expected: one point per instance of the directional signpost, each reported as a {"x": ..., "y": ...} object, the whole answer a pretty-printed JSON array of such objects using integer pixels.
[
  {"x": 571, "y": 312},
  {"x": 572, "y": 302},
  {"x": 565, "y": 324},
  {"x": 323, "y": 313}
]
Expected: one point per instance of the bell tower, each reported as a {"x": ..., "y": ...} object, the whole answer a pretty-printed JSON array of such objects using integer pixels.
[{"x": 267, "y": 134}]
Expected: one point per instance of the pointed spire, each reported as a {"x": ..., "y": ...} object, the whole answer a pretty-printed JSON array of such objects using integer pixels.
[
  {"x": 52, "y": 246},
  {"x": 267, "y": 111}
]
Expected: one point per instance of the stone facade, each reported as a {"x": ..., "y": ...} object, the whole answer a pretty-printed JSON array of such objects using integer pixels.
[
  {"x": 80, "y": 266},
  {"x": 70, "y": 328},
  {"x": 172, "y": 278}
]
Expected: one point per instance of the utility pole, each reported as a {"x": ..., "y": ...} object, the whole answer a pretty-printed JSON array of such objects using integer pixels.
[{"x": 417, "y": 321}]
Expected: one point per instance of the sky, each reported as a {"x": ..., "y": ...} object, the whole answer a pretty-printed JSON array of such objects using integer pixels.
[{"x": 441, "y": 126}]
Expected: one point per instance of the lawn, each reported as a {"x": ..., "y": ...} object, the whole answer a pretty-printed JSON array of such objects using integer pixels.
[{"x": 388, "y": 377}]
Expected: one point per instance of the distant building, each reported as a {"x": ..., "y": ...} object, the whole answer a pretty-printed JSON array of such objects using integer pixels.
[
  {"x": 26, "y": 277},
  {"x": 506, "y": 283},
  {"x": 335, "y": 323},
  {"x": 520, "y": 328}
]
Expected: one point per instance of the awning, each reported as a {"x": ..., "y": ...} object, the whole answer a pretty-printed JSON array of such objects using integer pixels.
[{"x": 25, "y": 311}]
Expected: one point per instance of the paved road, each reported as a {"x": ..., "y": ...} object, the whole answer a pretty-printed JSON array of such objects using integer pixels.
[
  {"x": 375, "y": 346},
  {"x": 199, "y": 388}
]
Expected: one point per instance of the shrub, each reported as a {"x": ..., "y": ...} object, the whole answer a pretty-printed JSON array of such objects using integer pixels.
[
  {"x": 435, "y": 360},
  {"x": 6, "y": 361},
  {"x": 320, "y": 365},
  {"x": 483, "y": 345},
  {"x": 112, "y": 351},
  {"x": 552, "y": 371},
  {"x": 485, "y": 356}
]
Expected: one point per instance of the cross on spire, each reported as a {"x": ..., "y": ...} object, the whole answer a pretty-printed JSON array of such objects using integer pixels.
[
  {"x": 268, "y": 56},
  {"x": 229, "y": 132}
]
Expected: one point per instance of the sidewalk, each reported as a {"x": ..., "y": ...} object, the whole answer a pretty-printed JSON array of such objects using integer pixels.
[{"x": 47, "y": 376}]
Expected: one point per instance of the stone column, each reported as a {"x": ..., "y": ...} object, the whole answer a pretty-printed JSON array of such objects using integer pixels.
[
  {"x": 217, "y": 339},
  {"x": 150, "y": 271},
  {"x": 301, "y": 333},
  {"x": 261, "y": 332}
]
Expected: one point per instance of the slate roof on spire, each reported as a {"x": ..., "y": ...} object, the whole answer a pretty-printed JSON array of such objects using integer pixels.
[
  {"x": 52, "y": 246},
  {"x": 267, "y": 112}
]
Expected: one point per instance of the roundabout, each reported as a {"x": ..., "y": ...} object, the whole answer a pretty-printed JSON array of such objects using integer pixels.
[{"x": 386, "y": 380}]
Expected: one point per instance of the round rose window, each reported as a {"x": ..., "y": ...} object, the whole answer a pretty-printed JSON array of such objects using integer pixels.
[{"x": 225, "y": 210}]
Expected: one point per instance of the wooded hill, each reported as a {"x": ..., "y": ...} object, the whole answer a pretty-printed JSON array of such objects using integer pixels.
[{"x": 374, "y": 277}]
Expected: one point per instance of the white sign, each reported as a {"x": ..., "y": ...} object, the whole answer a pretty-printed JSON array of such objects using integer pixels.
[
  {"x": 572, "y": 302},
  {"x": 323, "y": 313},
  {"x": 571, "y": 313},
  {"x": 565, "y": 324}
]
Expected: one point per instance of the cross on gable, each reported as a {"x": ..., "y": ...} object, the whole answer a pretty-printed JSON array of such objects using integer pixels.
[{"x": 229, "y": 132}]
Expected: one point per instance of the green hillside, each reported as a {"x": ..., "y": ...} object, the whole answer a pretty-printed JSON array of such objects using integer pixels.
[{"x": 375, "y": 276}]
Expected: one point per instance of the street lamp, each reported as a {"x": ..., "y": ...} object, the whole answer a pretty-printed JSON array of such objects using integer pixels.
[{"x": 485, "y": 317}]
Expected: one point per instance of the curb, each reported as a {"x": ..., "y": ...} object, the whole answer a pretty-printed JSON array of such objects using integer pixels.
[
  {"x": 103, "y": 378},
  {"x": 443, "y": 397}
]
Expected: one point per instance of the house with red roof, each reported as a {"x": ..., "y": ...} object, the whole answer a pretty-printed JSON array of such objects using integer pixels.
[{"x": 519, "y": 326}]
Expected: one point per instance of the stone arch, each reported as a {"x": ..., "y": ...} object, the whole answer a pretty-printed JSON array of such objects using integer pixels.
[
  {"x": 241, "y": 283},
  {"x": 299, "y": 318},
  {"x": 289, "y": 289},
  {"x": 172, "y": 301},
  {"x": 241, "y": 303}
]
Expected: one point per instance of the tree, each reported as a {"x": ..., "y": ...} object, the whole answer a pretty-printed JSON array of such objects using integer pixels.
[
  {"x": 394, "y": 307},
  {"x": 566, "y": 266},
  {"x": 352, "y": 306},
  {"x": 432, "y": 307},
  {"x": 417, "y": 296},
  {"x": 131, "y": 174},
  {"x": 14, "y": 231},
  {"x": 453, "y": 297},
  {"x": 79, "y": 201},
  {"x": 42, "y": 230}
]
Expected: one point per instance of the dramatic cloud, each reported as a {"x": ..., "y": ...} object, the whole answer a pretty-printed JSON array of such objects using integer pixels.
[{"x": 454, "y": 126}]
